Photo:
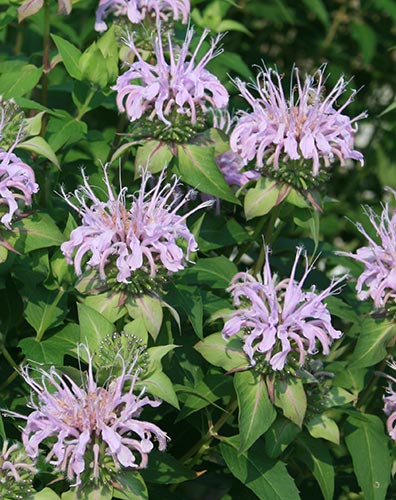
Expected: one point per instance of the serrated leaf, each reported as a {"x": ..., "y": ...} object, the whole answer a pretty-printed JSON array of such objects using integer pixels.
[
  {"x": 132, "y": 484},
  {"x": 44, "y": 309},
  {"x": 290, "y": 397},
  {"x": 160, "y": 385},
  {"x": 267, "y": 478},
  {"x": 323, "y": 427},
  {"x": 108, "y": 304},
  {"x": 19, "y": 83},
  {"x": 261, "y": 199},
  {"x": 228, "y": 355},
  {"x": 155, "y": 155},
  {"x": 368, "y": 445},
  {"x": 256, "y": 413},
  {"x": 318, "y": 459},
  {"x": 70, "y": 56},
  {"x": 149, "y": 309},
  {"x": 197, "y": 167},
  {"x": 65, "y": 130},
  {"x": 279, "y": 436},
  {"x": 41, "y": 147},
  {"x": 93, "y": 326},
  {"x": 374, "y": 336}
]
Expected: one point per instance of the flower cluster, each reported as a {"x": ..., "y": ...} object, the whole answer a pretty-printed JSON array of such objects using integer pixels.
[
  {"x": 278, "y": 319},
  {"x": 304, "y": 127},
  {"x": 138, "y": 10},
  {"x": 378, "y": 280},
  {"x": 16, "y": 472},
  {"x": 17, "y": 180},
  {"x": 166, "y": 90},
  {"x": 146, "y": 236},
  {"x": 90, "y": 423}
]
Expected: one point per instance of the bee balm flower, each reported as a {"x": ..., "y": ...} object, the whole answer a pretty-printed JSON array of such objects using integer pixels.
[
  {"x": 89, "y": 426},
  {"x": 145, "y": 236},
  {"x": 306, "y": 126},
  {"x": 280, "y": 319}
]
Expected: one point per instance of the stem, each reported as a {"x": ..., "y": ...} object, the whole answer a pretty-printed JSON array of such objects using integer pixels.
[
  {"x": 202, "y": 445},
  {"x": 268, "y": 239},
  {"x": 8, "y": 357},
  {"x": 85, "y": 106}
]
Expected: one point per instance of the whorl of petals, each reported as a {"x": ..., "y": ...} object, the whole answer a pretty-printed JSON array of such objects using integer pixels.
[
  {"x": 73, "y": 420},
  {"x": 378, "y": 280},
  {"x": 277, "y": 319},
  {"x": 182, "y": 84},
  {"x": 143, "y": 236},
  {"x": 138, "y": 10},
  {"x": 305, "y": 126},
  {"x": 17, "y": 180}
]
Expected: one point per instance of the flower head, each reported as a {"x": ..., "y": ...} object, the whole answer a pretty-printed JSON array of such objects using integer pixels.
[
  {"x": 378, "y": 280},
  {"x": 390, "y": 403},
  {"x": 307, "y": 126},
  {"x": 171, "y": 91},
  {"x": 88, "y": 426},
  {"x": 147, "y": 236},
  {"x": 138, "y": 10},
  {"x": 16, "y": 472},
  {"x": 17, "y": 180},
  {"x": 279, "y": 319}
]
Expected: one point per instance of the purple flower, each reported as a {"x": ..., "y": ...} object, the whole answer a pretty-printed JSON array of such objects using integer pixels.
[
  {"x": 306, "y": 126},
  {"x": 17, "y": 181},
  {"x": 390, "y": 403},
  {"x": 84, "y": 426},
  {"x": 138, "y": 10},
  {"x": 278, "y": 319},
  {"x": 378, "y": 280},
  {"x": 146, "y": 236},
  {"x": 161, "y": 89}
]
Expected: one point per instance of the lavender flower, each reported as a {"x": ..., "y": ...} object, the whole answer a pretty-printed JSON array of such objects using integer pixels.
[
  {"x": 138, "y": 10},
  {"x": 168, "y": 90},
  {"x": 390, "y": 403},
  {"x": 278, "y": 319},
  {"x": 17, "y": 181},
  {"x": 378, "y": 280},
  {"x": 16, "y": 472},
  {"x": 90, "y": 424},
  {"x": 307, "y": 126},
  {"x": 146, "y": 236}
]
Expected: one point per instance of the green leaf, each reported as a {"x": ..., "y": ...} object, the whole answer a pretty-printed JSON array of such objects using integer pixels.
[
  {"x": 149, "y": 309},
  {"x": 93, "y": 66},
  {"x": 337, "y": 396},
  {"x": 226, "y": 354},
  {"x": 318, "y": 8},
  {"x": 155, "y": 155},
  {"x": 65, "y": 130},
  {"x": 324, "y": 427},
  {"x": 108, "y": 304},
  {"x": 46, "y": 494},
  {"x": 133, "y": 484},
  {"x": 165, "y": 469},
  {"x": 70, "y": 56},
  {"x": 32, "y": 126},
  {"x": 290, "y": 397},
  {"x": 188, "y": 299},
  {"x": 279, "y": 436},
  {"x": 374, "y": 335},
  {"x": 216, "y": 272},
  {"x": 91, "y": 491},
  {"x": 160, "y": 385},
  {"x": 93, "y": 326},
  {"x": 156, "y": 354},
  {"x": 34, "y": 232},
  {"x": 316, "y": 456},
  {"x": 41, "y": 147},
  {"x": 366, "y": 38},
  {"x": 256, "y": 413},
  {"x": 44, "y": 309},
  {"x": 267, "y": 478},
  {"x": 213, "y": 387},
  {"x": 368, "y": 446},
  {"x": 197, "y": 167},
  {"x": 219, "y": 232},
  {"x": 19, "y": 83},
  {"x": 261, "y": 199}
]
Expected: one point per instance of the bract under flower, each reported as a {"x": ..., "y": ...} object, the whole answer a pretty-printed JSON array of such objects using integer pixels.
[
  {"x": 182, "y": 85},
  {"x": 306, "y": 126},
  {"x": 146, "y": 236},
  {"x": 137, "y": 11},
  {"x": 89, "y": 421},
  {"x": 279, "y": 319}
]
